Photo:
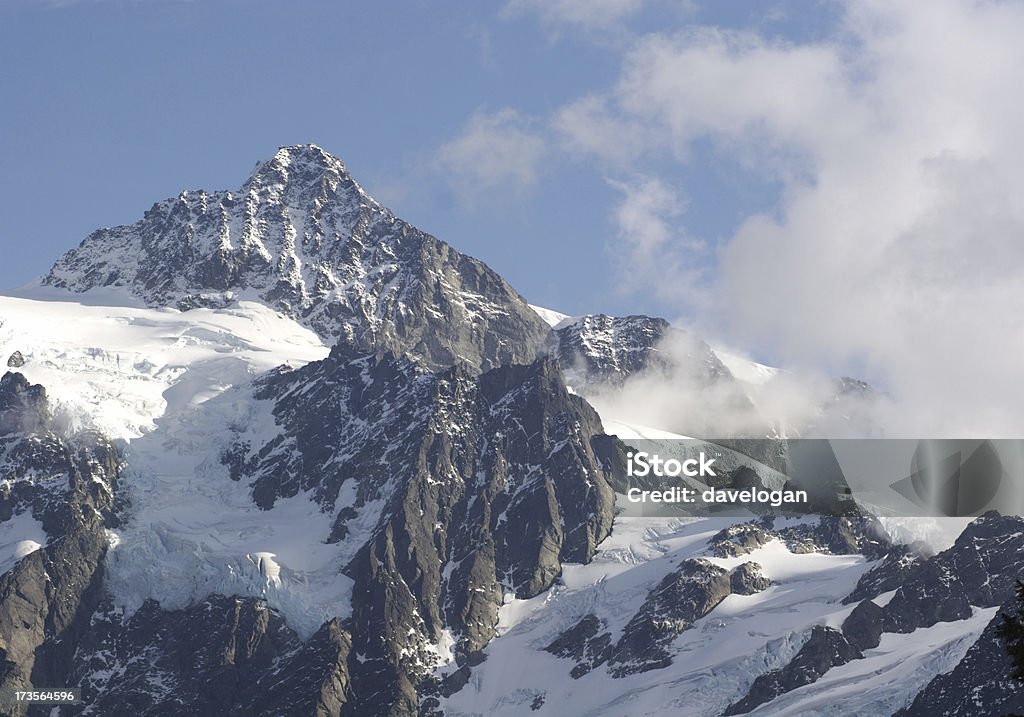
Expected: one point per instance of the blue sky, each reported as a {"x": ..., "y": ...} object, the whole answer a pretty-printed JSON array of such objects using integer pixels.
[
  {"x": 113, "y": 105},
  {"x": 820, "y": 184}
]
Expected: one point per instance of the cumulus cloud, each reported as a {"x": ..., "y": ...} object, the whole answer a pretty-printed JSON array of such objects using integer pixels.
[
  {"x": 897, "y": 246},
  {"x": 652, "y": 242},
  {"x": 498, "y": 150}
]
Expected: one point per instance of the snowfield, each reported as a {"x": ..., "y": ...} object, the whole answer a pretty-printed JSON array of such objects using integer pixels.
[
  {"x": 19, "y": 536},
  {"x": 713, "y": 663},
  {"x": 174, "y": 388},
  {"x": 716, "y": 660}
]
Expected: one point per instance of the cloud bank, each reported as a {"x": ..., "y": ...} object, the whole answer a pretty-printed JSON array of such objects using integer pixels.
[{"x": 896, "y": 248}]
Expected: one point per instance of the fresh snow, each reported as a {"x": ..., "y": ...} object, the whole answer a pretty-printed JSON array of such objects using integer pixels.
[
  {"x": 889, "y": 676},
  {"x": 636, "y": 431},
  {"x": 175, "y": 387},
  {"x": 744, "y": 369},
  {"x": 715, "y": 661},
  {"x": 551, "y": 318},
  {"x": 118, "y": 368},
  {"x": 20, "y": 535}
]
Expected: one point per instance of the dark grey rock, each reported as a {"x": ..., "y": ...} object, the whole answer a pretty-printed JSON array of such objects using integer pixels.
[
  {"x": 680, "y": 599},
  {"x": 221, "y": 656},
  {"x": 864, "y": 626},
  {"x": 979, "y": 569},
  {"x": 852, "y": 534},
  {"x": 15, "y": 360},
  {"x": 831, "y": 534},
  {"x": 23, "y": 407},
  {"x": 933, "y": 594},
  {"x": 606, "y": 350},
  {"x": 980, "y": 684},
  {"x": 490, "y": 482},
  {"x": 46, "y": 602},
  {"x": 747, "y": 579},
  {"x": 739, "y": 540},
  {"x": 586, "y": 643},
  {"x": 895, "y": 567},
  {"x": 826, "y": 648}
]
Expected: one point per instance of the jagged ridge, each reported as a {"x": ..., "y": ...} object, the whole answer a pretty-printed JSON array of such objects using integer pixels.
[{"x": 302, "y": 236}]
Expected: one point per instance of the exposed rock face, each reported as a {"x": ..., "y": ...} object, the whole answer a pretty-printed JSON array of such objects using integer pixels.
[
  {"x": 846, "y": 386},
  {"x": 585, "y": 643},
  {"x": 851, "y": 534},
  {"x": 826, "y": 648},
  {"x": 979, "y": 570},
  {"x": 15, "y": 360},
  {"x": 302, "y": 236},
  {"x": 895, "y": 567},
  {"x": 472, "y": 486},
  {"x": 600, "y": 352},
  {"x": 47, "y": 598},
  {"x": 747, "y": 579},
  {"x": 836, "y": 535},
  {"x": 23, "y": 407},
  {"x": 45, "y": 605},
  {"x": 222, "y": 656},
  {"x": 674, "y": 605},
  {"x": 980, "y": 684},
  {"x": 607, "y": 350},
  {"x": 865, "y": 625},
  {"x": 739, "y": 540},
  {"x": 682, "y": 597}
]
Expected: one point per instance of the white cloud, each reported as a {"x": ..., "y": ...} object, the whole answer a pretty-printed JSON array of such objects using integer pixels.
[
  {"x": 585, "y": 14},
  {"x": 652, "y": 242},
  {"x": 589, "y": 126},
  {"x": 494, "y": 151},
  {"x": 898, "y": 244}
]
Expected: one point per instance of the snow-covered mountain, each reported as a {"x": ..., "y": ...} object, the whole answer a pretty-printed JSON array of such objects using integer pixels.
[
  {"x": 276, "y": 452},
  {"x": 302, "y": 236}
]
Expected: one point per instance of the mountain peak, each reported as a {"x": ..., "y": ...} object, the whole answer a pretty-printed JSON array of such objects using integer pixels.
[
  {"x": 304, "y": 156},
  {"x": 306, "y": 171},
  {"x": 303, "y": 237}
]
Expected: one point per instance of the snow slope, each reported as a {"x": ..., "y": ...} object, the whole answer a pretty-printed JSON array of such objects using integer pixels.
[
  {"x": 112, "y": 366},
  {"x": 889, "y": 676},
  {"x": 19, "y": 536},
  {"x": 745, "y": 369},
  {"x": 714, "y": 662},
  {"x": 174, "y": 387},
  {"x": 806, "y": 590},
  {"x": 551, "y": 317}
]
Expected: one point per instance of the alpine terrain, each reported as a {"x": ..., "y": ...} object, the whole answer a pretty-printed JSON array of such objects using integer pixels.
[{"x": 274, "y": 451}]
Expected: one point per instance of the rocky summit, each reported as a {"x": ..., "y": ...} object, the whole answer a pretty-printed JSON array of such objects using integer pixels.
[{"x": 302, "y": 236}]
